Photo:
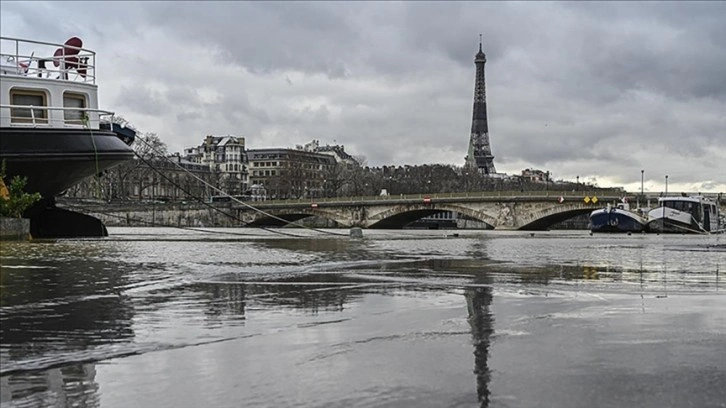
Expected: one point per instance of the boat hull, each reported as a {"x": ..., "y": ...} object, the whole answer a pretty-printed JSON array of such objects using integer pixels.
[
  {"x": 615, "y": 220},
  {"x": 55, "y": 159},
  {"x": 665, "y": 225}
]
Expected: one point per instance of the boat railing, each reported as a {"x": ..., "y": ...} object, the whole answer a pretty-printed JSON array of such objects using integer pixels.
[
  {"x": 47, "y": 60},
  {"x": 38, "y": 116}
]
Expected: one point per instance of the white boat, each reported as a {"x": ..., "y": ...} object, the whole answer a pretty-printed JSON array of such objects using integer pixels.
[
  {"x": 53, "y": 133},
  {"x": 681, "y": 214}
]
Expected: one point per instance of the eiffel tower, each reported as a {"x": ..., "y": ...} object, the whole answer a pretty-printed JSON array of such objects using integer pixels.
[{"x": 480, "y": 151}]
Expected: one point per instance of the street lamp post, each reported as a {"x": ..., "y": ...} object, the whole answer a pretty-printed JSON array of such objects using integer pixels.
[
  {"x": 641, "y": 187},
  {"x": 666, "y": 186},
  {"x": 578, "y": 183},
  {"x": 662, "y": 225}
]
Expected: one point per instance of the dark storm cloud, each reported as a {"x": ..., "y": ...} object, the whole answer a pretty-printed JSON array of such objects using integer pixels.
[
  {"x": 263, "y": 37},
  {"x": 576, "y": 88},
  {"x": 58, "y": 20},
  {"x": 675, "y": 62}
]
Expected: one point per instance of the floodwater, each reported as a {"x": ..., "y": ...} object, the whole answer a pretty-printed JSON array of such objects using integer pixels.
[{"x": 154, "y": 317}]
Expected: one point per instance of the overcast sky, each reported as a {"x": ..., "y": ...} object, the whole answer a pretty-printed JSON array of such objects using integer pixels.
[{"x": 599, "y": 90}]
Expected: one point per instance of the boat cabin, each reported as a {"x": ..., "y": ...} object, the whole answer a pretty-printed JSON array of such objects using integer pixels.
[
  {"x": 48, "y": 85},
  {"x": 704, "y": 211}
]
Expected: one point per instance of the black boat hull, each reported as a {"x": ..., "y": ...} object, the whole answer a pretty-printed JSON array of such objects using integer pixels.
[
  {"x": 48, "y": 221},
  {"x": 615, "y": 220},
  {"x": 55, "y": 159}
]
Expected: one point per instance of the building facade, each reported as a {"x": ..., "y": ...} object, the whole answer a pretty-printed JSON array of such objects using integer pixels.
[
  {"x": 535, "y": 176},
  {"x": 480, "y": 155},
  {"x": 289, "y": 173},
  {"x": 226, "y": 156},
  {"x": 337, "y": 151}
]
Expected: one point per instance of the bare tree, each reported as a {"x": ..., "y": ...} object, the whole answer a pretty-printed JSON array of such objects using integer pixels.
[
  {"x": 335, "y": 177},
  {"x": 140, "y": 171}
]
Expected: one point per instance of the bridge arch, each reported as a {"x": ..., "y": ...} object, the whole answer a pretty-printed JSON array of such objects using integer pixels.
[
  {"x": 289, "y": 216},
  {"x": 543, "y": 219},
  {"x": 399, "y": 216}
]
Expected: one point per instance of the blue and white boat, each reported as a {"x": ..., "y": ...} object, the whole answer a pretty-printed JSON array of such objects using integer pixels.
[{"x": 617, "y": 218}]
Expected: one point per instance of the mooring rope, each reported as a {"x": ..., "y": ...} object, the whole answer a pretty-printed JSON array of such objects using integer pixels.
[{"x": 221, "y": 192}]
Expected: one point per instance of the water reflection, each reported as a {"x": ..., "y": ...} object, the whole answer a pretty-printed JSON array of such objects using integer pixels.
[
  {"x": 94, "y": 301},
  {"x": 50, "y": 307},
  {"x": 231, "y": 296},
  {"x": 68, "y": 386},
  {"x": 224, "y": 301},
  {"x": 478, "y": 301}
]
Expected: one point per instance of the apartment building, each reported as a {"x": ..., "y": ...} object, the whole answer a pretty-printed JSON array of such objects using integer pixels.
[
  {"x": 290, "y": 173},
  {"x": 226, "y": 156}
]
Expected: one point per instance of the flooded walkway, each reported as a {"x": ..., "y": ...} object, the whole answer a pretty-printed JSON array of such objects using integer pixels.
[{"x": 167, "y": 318}]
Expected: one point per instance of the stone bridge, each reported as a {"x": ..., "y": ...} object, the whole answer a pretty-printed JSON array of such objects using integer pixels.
[{"x": 499, "y": 210}]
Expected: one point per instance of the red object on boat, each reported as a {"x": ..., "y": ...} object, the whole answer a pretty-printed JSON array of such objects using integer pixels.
[
  {"x": 57, "y": 56},
  {"x": 73, "y": 46},
  {"x": 71, "y": 49},
  {"x": 68, "y": 53}
]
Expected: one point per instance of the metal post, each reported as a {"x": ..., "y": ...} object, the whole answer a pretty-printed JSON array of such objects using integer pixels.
[
  {"x": 153, "y": 200},
  {"x": 666, "y": 185},
  {"x": 641, "y": 188}
]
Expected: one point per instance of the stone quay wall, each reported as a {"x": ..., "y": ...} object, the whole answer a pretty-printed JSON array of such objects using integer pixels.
[
  {"x": 14, "y": 229},
  {"x": 144, "y": 214}
]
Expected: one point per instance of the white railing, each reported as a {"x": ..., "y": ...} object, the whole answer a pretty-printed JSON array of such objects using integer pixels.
[
  {"x": 88, "y": 117},
  {"x": 47, "y": 60}
]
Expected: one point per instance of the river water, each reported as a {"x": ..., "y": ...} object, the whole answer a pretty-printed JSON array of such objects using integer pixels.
[{"x": 155, "y": 317}]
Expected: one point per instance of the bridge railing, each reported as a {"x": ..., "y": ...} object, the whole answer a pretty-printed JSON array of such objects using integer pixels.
[
  {"x": 554, "y": 195},
  {"x": 546, "y": 194}
]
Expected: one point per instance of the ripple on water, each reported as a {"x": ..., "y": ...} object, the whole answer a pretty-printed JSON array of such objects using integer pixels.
[{"x": 68, "y": 305}]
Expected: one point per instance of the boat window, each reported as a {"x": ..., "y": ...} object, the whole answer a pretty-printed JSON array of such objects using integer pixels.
[
  {"x": 685, "y": 206},
  {"x": 28, "y": 98},
  {"x": 73, "y": 100}
]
